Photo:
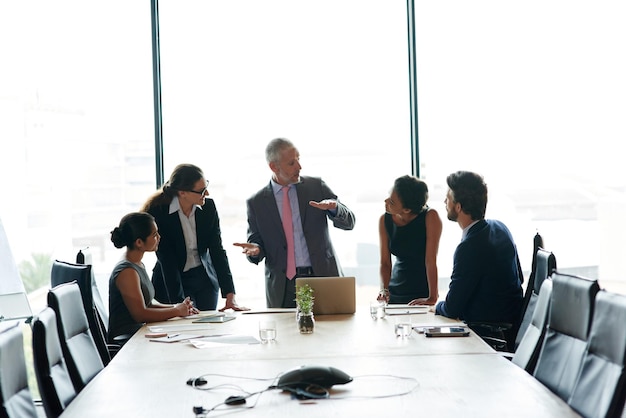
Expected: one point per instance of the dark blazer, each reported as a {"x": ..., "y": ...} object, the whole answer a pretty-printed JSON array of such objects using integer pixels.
[
  {"x": 171, "y": 254},
  {"x": 266, "y": 230},
  {"x": 486, "y": 281}
]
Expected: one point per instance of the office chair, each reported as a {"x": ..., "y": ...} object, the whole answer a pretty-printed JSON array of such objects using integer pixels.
[
  {"x": 84, "y": 257},
  {"x": 53, "y": 379},
  {"x": 64, "y": 272},
  {"x": 15, "y": 398},
  {"x": 563, "y": 348},
  {"x": 544, "y": 263},
  {"x": 527, "y": 351},
  {"x": 537, "y": 243},
  {"x": 600, "y": 390},
  {"x": 79, "y": 349},
  {"x": 102, "y": 313}
]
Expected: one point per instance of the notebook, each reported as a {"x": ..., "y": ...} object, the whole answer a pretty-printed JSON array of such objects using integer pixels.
[
  {"x": 216, "y": 319},
  {"x": 14, "y": 306},
  {"x": 405, "y": 309},
  {"x": 333, "y": 295}
]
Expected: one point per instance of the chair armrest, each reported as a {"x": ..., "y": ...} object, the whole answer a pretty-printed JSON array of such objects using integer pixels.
[
  {"x": 122, "y": 339},
  {"x": 493, "y": 333},
  {"x": 491, "y": 326},
  {"x": 117, "y": 344}
]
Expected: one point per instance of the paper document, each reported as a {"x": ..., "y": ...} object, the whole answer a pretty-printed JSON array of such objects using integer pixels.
[
  {"x": 224, "y": 340},
  {"x": 180, "y": 327},
  {"x": 269, "y": 310},
  {"x": 406, "y": 306},
  {"x": 403, "y": 309},
  {"x": 213, "y": 319},
  {"x": 173, "y": 338}
]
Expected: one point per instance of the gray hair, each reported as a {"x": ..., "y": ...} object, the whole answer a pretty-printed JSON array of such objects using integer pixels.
[{"x": 274, "y": 148}]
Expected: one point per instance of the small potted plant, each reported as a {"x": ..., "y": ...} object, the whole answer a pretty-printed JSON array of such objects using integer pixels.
[{"x": 304, "y": 303}]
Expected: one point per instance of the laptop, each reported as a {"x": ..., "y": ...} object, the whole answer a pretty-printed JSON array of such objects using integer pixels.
[
  {"x": 333, "y": 295},
  {"x": 14, "y": 306}
]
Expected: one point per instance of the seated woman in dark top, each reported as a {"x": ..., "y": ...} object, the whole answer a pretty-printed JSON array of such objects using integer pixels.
[
  {"x": 131, "y": 292},
  {"x": 410, "y": 230}
]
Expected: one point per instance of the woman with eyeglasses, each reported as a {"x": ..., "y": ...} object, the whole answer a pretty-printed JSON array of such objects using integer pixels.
[{"x": 191, "y": 260}]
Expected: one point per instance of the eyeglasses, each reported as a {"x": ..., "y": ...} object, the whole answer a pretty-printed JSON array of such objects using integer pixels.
[{"x": 201, "y": 192}]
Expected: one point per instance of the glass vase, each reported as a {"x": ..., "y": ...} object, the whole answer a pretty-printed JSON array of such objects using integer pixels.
[{"x": 306, "y": 322}]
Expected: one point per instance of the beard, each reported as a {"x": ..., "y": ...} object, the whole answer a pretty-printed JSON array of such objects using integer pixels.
[{"x": 452, "y": 215}]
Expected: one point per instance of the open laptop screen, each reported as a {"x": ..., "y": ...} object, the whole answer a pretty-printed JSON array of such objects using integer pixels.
[{"x": 333, "y": 295}]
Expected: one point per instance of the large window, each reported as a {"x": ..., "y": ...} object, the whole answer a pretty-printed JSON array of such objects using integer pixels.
[
  {"x": 76, "y": 128},
  {"x": 331, "y": 75},
  {"x": 532, "y": 95}
]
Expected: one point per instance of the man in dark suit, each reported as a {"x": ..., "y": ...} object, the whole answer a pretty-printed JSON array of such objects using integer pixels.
[
  {"x": 311, "y": 203},
  {"x": 486, "y": 280}
]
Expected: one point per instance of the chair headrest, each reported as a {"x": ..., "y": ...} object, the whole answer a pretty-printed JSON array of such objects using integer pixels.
[{"x": 573, "y": 299}]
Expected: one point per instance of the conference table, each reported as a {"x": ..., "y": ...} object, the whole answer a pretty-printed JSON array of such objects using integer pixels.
[{"x": 392, "y": 376}]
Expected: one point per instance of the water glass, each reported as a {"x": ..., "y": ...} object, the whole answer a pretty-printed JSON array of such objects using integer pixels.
[
  {"x": 403, "y": 326},
  {"x": 377, "y": 309},
  {"x": 267, "y": 331}
]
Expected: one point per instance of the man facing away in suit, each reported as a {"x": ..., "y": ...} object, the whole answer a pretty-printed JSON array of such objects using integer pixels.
[
  {"x": 486, "y": 280},
  {"x": 306, "y": 248}
]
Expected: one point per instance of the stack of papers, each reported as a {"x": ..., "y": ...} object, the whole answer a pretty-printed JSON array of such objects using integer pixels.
[
  {"x": 213, "y": 319},
  {"x": 174, "y": 328},
  {"x": 207, "y": 341},
  {"x": 403, "y": 309},
  {"x": 221, "y": 340},
  {"x": 173, "y": 338},
  {"x": 268, "y": 311}
]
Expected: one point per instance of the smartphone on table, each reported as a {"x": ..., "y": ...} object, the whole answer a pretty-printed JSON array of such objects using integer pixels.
[{"x": 446, "y": 332}]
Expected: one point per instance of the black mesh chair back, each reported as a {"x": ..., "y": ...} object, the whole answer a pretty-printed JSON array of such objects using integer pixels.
[
  {"x": 600, "y": 389},
  {"x": 543, "y": 265},
  {"x": 527, "y": 351},
  {"x": 64, "y": 272},
  {"x": 78, "y": 347},
  {"x": 571, "y": 311},
  {"x": 53, "y": 379},
  {"x": 15, "y": 397}
]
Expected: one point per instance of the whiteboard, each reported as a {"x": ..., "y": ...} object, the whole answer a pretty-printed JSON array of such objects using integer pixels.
[{"x": 10, "y": 280}]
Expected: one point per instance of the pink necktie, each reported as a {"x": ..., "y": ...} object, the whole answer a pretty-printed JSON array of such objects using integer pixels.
[{"x": 288, "y": 228}]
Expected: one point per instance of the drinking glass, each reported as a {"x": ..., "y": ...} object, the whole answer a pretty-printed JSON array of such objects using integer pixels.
[
  {"x": 403, "y": 326},
  {"x": 267, "y": 331},
  {"x": 377, "y": 309}
]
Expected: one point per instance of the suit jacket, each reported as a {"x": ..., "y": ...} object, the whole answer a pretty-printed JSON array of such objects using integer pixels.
[
  {"x": 265, "y": 229},
  {"x": 486, "y": 281},
  {"x": 172, "y": 253}
]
